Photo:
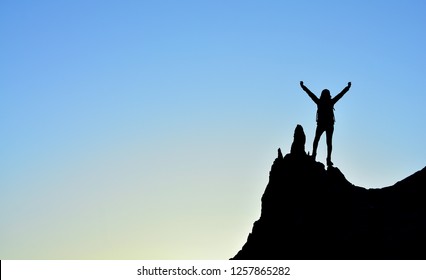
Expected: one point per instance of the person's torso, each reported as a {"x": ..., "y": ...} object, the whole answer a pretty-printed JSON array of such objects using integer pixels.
[{"x": 325, "y": 114}]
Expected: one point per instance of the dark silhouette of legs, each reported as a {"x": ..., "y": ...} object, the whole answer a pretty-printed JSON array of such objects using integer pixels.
[
  {"x": 318, "y": 134},
  {"x": 329, "y": 134}
]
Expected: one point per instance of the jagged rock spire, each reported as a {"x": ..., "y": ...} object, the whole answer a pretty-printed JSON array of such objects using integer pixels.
[{"x": 299, "y": 140}]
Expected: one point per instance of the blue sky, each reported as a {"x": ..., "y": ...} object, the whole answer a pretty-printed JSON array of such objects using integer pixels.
[{"x": 146, "y": 129}]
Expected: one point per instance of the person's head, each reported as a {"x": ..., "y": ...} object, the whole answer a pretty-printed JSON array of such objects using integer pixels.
[{"x": 325, "y": 95}]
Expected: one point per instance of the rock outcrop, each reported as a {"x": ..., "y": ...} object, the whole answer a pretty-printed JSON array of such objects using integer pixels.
[{"x": 309, "y": 212}]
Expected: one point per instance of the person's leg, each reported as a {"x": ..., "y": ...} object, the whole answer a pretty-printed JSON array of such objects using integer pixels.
[
  {"x": 329, "y": 135},
  {"x": 318, "y": 134}
]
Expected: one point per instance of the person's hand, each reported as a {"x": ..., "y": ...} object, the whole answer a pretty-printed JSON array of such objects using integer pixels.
[
  {"x": 349, "y": 84},
  {"x": 301, "y": 83}
]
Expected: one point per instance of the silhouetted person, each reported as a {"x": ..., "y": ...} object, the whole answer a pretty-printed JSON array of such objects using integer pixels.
[{"x": 325, "y": 117}]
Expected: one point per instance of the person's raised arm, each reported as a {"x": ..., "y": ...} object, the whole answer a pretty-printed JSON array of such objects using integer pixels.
[
  {"x": 311, "y": 95},
  {"x": 340, "y": 95}
]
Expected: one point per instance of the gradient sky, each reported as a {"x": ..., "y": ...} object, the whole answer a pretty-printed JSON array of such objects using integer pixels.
[{"x": 147, "y": 129}]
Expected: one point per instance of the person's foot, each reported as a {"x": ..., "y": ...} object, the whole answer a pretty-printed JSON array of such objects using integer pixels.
[{"x": 329, "y": 162}]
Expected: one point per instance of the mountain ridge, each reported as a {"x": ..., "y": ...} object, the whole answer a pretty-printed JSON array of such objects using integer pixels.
[{"x": 310, "y": 212}]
